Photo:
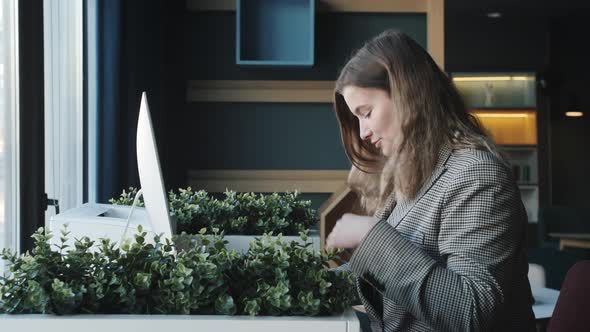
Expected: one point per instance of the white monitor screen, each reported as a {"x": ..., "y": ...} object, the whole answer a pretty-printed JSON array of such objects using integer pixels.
[{"x": 150, "y": 174}]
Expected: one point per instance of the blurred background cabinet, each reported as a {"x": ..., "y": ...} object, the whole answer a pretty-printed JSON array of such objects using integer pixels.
[{"x": 506, "y": 105}]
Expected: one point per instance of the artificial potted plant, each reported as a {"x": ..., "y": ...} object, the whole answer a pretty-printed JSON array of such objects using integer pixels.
[{"x": 210, "y": 286}]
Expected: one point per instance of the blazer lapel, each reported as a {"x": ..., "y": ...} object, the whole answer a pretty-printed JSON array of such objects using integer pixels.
[{"x": 402, "y": 208}]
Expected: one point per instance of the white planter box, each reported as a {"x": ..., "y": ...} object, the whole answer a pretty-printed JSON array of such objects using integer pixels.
[
  {"x": 241, "y": 243},
  {"x": 346, "y": 322}
]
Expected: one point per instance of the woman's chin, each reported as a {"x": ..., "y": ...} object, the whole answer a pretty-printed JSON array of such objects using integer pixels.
[{"x": 383, "y": 150}]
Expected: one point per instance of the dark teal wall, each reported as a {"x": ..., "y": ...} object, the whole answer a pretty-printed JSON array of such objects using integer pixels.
[
  {"x": 263, "y": 136},
  {"x": 273, "y": 135}
]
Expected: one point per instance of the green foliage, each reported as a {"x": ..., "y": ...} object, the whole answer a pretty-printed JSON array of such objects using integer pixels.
[
  {"x": 236, "y": 213},
  {"x": 192, "y": 274},
  {"x": 279, "y": 278},
  {"x": 127, "y": 197}
]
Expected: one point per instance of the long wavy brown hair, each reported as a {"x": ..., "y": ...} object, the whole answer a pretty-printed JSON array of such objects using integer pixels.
[{"x": 431, "y": 113}]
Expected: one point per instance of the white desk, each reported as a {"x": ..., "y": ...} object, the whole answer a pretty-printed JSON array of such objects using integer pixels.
[
  {"x": 545, "y": 300},
  {"x": 347, "y": 322}
]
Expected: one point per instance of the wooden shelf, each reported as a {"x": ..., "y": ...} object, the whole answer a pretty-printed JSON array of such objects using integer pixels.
[
  {"x": 261, "y": 91},
  {"x": 265, "y": 181}
]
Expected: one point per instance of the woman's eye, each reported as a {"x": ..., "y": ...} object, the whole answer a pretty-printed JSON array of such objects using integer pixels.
[{"x": 368, "y": 114}]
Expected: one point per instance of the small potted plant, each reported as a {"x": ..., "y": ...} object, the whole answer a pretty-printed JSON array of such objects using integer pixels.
[
  {"x": 241, "y": 216},
  {"x": 191, "y": 281}
]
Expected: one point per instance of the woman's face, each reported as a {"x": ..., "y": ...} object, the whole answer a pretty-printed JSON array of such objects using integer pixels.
[{"x": 377, "y": 116}]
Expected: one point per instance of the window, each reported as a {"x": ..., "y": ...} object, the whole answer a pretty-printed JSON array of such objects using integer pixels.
[
  {"x": 63, "y": 65},
  {"x": 8, "y": 127}
]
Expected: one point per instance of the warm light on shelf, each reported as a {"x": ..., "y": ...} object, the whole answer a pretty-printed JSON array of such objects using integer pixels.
[
  {"x": 502, "y": 115},
  {"x": 510, "y": 126},
  {"x": 492, "y": 78},
  {"x": 574, "y": 114}
]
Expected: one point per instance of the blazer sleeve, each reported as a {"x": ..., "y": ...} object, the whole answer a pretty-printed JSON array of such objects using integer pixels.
[{"x": 482, "y": 222}]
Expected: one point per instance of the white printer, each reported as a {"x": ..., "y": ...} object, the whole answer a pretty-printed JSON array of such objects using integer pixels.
[
  {"x": 110, "y": 221},
  {"x": 99, "y": 221}
]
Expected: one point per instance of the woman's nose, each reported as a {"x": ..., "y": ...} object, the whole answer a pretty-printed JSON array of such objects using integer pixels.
[{"x": 364, "y": 131}]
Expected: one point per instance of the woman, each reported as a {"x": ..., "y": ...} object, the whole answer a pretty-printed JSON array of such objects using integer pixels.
[{"x": 445, "y": 249}]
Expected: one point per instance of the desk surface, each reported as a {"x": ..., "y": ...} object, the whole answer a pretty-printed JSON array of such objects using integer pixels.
[
  {"x": 545, "y": 300},
  {"x": 347, "y": 322}
]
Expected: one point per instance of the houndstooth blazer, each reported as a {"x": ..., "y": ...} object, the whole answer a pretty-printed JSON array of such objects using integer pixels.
[{"x": 453, "y": 258}]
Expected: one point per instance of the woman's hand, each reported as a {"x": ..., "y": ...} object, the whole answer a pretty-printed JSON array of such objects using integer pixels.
[{"x": 350, "y": 230}]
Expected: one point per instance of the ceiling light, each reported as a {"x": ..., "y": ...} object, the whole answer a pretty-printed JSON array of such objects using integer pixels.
[
  {"x": 574, "y": 114},
  {"x": 494, "y": 15}
]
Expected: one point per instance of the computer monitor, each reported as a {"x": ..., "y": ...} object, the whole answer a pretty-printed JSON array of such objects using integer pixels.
[
  {"x": 150, "y": 173},
  {"x": 117, "y": 222}
]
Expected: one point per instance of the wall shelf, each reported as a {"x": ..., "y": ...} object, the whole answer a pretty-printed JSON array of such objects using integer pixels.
[
  {"x": 510, "y": 127},
  {"x": 265, "y": 181},
  {"x": 260, "y": 91},
  {"x": 497, "y": 90},
  {"x": 275, "y": 33}
]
